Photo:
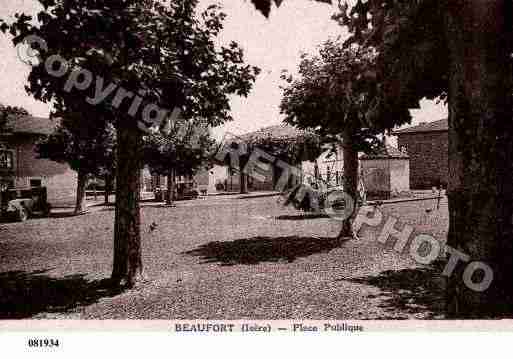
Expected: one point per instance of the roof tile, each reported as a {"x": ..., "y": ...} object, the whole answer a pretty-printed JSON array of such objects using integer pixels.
[
  {"x": 436, "y": 126},
  {"x": 389, "y": 152},
  {"x": 31, "y": 125}
]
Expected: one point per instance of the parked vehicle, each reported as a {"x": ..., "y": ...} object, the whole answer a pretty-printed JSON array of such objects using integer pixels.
[
  {"x": 183, "y": 191},
  {"x": 21, "y": 204}
]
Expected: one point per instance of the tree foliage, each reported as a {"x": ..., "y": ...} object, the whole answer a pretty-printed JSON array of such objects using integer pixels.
[
  {"x": 306, "y": 146},
  {"x": 336, "y": 95},
  {"x": 165, "y": 55},
  {"x": 85, "y": 142},
  {"x": 410, "y": 43},
  {"x": 459, "y": 51},
  {"x": 336, "y": 92},
  {"x": 183, "y": 149},
  {"x": 165, "y": 52}
]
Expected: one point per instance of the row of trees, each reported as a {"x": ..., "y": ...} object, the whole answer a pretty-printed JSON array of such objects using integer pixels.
[
  {"x": 86, "y": 141},
  {"x": 166, "y": 53},
  {"x": 180, "y": 150},
  {"x": 459, "y": 51}
]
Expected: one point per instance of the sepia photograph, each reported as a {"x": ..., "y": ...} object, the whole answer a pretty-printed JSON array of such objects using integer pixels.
[{"x": 256, "y": 166}]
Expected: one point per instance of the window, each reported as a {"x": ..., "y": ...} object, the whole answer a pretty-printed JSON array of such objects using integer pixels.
[
  {"x": 35, "y": 183},
  {"x": 6, "y": 160}
]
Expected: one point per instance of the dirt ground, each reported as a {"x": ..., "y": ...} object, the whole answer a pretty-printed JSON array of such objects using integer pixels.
[{"x": 224, "y": 257}]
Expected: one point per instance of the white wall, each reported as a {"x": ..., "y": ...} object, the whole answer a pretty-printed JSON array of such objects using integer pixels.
[{"x": 400, "y": 175}]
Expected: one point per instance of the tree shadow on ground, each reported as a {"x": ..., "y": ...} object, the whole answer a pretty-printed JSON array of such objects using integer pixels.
[
  {"x": 302, "y": 216},
  {"x": 418, "y": 291},
  {"x": 263, "y": 249},
  {"x": 25, "y": 294}
]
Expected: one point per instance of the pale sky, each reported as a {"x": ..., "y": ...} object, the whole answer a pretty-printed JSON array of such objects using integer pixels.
[{"x": 272, "y": 44}]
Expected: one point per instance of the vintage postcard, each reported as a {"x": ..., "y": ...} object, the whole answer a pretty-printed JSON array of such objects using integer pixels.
[{"x": 255, "y": 167}]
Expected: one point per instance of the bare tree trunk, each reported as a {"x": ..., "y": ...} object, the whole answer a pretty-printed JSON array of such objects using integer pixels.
[
  {"x": 350, "y": 155},
  {"x": 127, "y": 268},
  {"x": 80, "y": 206},
  {"x": 170, "y": 194},
  {"x": 480, "y": 154}
]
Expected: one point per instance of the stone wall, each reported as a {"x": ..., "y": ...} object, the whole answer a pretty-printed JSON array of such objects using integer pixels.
[{"x": 429, "y": 158}]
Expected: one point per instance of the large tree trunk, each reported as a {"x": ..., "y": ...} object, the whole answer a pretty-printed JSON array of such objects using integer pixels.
[
  {"x": 350, "y": 155},
  {"x": 480, "y": 154},
  {"x": 127, "y": 268},
  {"x": 80, "y": 206},
  {"x": 170, "y": 187}
]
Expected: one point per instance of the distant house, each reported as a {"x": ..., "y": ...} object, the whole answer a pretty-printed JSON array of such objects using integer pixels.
[
  {"x": 383, "y": 174},
  {"x": 386, "y": 173},
  {"x": 427, "y": 145},
  {"x": 20, "y": 167},
  {"x": 231, "y": 181}
]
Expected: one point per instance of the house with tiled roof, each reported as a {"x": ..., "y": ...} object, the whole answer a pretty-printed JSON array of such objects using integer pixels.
[
  {"x": 20, "y": 167},
  {"x": 384, "y": 173},
  {"x": 31, "y": 125},
  {"x": 281, "y": 131},
  {"x": 427, "y": 145},
  {"x": 229, "y": 179}
]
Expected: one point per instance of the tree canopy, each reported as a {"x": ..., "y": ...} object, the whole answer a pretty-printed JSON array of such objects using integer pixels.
[
  {"x": 410, "y": 43},
  {"x": 84, "y": 141},
  {"x": 183, "y": 149},
  {"x": 336, "y": 91},
  {"x": 165, "y": 53},
  {"x": 291, "y": 147},
  {"x": 136, "y": 61},
  {"x": 335, "y": 95},
  {"x": 459, "y": 51}
]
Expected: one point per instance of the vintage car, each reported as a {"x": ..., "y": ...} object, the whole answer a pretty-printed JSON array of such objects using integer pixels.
[{"x": 20, "y": 204}]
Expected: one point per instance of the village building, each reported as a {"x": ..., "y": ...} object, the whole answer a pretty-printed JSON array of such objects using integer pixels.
[
  {"x": 385, "y": 174},
  {"x": 229, "y": 178},
  {"x": 427, "y": 145},
  {"x": 21, "y": 168}
]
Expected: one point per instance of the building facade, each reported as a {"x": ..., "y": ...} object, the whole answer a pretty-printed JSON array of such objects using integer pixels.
[
  {"x": 20, "y": 167},
  {"x": 383, "y": 175},
  {"x": 386, "y": 174},
  {"x": 427, "y": 145}
]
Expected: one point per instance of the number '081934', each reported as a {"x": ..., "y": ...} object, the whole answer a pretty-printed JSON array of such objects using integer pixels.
[{"x": 43, "y": 343}]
